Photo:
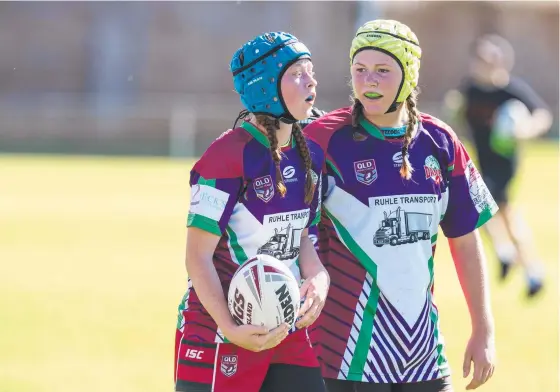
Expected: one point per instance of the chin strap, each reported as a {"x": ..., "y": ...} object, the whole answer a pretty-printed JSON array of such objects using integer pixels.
[{"x": 242, "y": 114}]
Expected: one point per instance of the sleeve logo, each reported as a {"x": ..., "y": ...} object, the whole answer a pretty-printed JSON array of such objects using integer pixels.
[
  {"x": 478, "y": 191},
  {"x": 208, "y": 201}
]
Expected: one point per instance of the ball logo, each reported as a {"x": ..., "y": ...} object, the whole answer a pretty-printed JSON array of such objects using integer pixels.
[
  {"x": 366, "y": 171},
  {"x": 238, "y": 307},
  {"x": 432, "y": 169},
  {"x": 228, "y": 365},
  {"x": 264, "y": 188},
  {"x": 286, "y": 304}
]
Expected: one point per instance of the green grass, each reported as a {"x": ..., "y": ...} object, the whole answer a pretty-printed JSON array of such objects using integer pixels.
[{"x": 91, "y": 272}]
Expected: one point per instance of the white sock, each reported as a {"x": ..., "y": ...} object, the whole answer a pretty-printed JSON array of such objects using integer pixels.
[
  {"x": 535, "y": 271},
  {"x": 506, "y": 252}
]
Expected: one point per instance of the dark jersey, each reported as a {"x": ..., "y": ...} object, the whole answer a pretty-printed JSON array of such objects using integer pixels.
[{"x": 481, "y": 104}]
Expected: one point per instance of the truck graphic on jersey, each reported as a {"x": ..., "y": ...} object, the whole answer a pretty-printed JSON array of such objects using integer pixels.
[
  {"x": 284, "y": 244},
  {"x": 401, "y": 227}
]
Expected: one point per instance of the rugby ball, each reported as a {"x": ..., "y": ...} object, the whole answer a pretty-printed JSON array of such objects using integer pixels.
[
  {"x": 263, "y": 291},
  {"x": 512, "y": 119}
]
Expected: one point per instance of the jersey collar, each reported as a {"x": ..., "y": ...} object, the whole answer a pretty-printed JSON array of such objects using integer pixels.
[{"x": 261, "y": 138}]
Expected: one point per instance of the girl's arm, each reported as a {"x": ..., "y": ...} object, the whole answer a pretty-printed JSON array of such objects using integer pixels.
[
  {"x": 470, "y": 263},
  {"x": 200, "y": 267}
]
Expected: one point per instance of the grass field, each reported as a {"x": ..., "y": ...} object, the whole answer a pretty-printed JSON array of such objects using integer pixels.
[{"x": 91, "y": 272}]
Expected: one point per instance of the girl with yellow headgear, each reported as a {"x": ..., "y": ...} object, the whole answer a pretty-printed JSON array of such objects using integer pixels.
[{"x": 393, "y": 177}]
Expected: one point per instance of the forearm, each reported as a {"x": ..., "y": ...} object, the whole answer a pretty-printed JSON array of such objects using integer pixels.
[
  {"x": 309, "y": 263},
  {"x": 470, "y": 263},
  {"x": 209, "y": 289}
]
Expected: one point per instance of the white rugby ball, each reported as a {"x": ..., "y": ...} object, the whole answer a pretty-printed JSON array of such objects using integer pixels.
[
  {"x": 263, "y": 291},
  {"x": 512, "y": 119}
]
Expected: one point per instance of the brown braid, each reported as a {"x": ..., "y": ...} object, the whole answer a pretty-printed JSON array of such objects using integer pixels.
[
  {"x": 272, "y": 125},
  {"x": 357, "y": 110},
  {"x": 306, "y": 156},
  {"x": 413, "y": 117}
]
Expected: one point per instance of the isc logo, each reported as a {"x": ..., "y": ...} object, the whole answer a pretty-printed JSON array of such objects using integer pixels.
[{"x": 194, "y": 354}]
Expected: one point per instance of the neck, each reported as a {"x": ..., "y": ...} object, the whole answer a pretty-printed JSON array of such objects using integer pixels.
[
  {"x": 283, "y": 134},
  {"x": 497, "y": 79},
  {"x": 389, "y": 120},
  {"x": 500, "y": 78}
]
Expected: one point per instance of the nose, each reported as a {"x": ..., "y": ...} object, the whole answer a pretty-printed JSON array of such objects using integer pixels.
[
  {"x": 371, "y": 79},
  {"x": 312, "y": 81}
]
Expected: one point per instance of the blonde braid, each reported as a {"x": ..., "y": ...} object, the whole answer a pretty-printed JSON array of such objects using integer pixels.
[{"x": 413, "y": 118}]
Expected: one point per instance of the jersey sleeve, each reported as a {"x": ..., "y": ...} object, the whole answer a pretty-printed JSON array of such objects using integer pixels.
[
  {"x": 314, "y": 236},
  {"x": 523, "y": 92},
  {"x": 216, "y": 183},
  {"x": 469, "y": 203}
]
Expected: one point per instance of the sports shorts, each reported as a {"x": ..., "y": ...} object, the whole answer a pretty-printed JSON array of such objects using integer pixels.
[
  {"x": 439, "y": 385},
  {"x": 224, "y": 367}
]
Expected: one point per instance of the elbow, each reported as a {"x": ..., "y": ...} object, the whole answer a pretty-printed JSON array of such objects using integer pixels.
[{"x": 465, "y": 246}]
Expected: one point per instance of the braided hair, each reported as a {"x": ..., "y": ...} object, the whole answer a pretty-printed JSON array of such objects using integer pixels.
[
  {"x": 272, "y": 125},
  {"x": 413, "y": 117}
]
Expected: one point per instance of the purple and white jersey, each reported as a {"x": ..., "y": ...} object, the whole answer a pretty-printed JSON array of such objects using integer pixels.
[
  {"x": 234, "y": 196},
  {"x": 378, "y": 236}
]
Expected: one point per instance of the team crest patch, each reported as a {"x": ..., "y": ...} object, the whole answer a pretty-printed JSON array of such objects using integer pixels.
[
  {"x": 432, "y": 169},
  {"x": 366, "y": 171},
  {"x": 264, "y": 188},
  {"x": 228, "y": 365}
]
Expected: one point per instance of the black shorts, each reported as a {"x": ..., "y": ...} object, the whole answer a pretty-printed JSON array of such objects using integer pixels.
[
  {"x": 497, "y": 174},
  {"x": 498, "y": 184},
  {"x": 279, "y": 378},
  {"x": 439, "y": 385}
]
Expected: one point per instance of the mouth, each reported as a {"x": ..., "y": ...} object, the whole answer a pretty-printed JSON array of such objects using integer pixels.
[
  {"x": 310, "y": 98},
  {"x": 373, "y": 95}
]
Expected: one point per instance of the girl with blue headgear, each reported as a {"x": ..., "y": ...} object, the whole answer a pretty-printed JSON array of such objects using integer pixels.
[{"x": 254, "y": 191}]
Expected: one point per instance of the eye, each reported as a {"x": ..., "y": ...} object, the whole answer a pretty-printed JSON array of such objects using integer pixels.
[
  {"x": 298, "y": 74},
  {"x": 383, "y": 70},
  {"x": 360, "y": 69}
]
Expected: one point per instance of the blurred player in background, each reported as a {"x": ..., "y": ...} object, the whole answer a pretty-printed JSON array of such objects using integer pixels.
[
  {"x": 395, "y": 176},
  {"x": 500, "y": 110},
  {"x": 254, "y": 186}
]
